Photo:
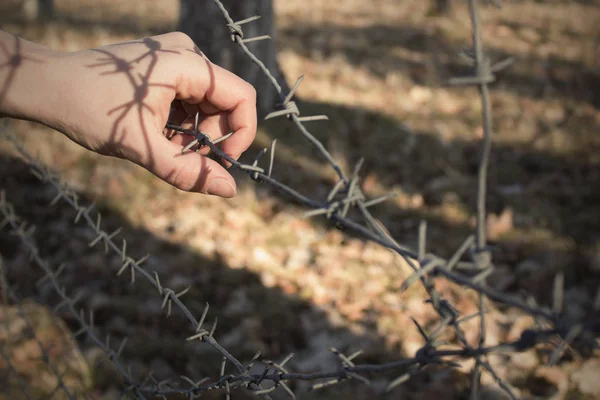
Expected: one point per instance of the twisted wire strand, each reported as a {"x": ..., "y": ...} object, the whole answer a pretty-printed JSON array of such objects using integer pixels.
[{"x": 345, "y": 194}]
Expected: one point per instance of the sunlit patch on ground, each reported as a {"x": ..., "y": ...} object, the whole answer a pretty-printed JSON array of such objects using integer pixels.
[{"x": 280, "y": 283}]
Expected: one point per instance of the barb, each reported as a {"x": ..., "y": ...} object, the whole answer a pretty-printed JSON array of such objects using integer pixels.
[
  {"x": 16, "y": 224},
  {"x": 9, "y": 368},
  {"x": 290, "y": 108},
  {"x": 429, "y": 354},
  {"x": 45, "y": 356},
  {"x": 344, "y": 196}
]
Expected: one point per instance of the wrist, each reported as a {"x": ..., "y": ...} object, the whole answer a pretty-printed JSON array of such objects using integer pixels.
[{"x": 28, "y": 79}]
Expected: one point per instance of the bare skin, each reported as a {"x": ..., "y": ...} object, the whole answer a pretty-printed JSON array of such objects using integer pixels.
[{"x": 115, "y": 100}]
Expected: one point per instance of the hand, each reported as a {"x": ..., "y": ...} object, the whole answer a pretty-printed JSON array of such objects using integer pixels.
[{"x": 116, "y": 100}]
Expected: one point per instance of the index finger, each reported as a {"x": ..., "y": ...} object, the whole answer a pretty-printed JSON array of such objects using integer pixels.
[{"x": 215, "y": 89}]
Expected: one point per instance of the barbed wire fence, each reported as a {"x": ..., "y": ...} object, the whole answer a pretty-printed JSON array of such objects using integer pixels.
[{"x": 469, "y": 266}]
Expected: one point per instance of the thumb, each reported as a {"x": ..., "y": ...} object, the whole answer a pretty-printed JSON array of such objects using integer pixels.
[{"x": 190, "y": 172}]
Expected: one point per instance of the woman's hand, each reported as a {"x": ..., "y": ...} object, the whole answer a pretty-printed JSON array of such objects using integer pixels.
[{"x": 116, "y": 100}]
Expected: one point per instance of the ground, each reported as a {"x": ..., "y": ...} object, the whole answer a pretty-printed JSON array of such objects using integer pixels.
[{"x": 279, "y": 283}]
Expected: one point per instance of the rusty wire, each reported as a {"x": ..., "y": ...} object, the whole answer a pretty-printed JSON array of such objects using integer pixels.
[{"x": 343, "y": 196}]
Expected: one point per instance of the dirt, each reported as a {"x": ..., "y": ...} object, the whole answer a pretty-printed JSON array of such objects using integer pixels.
[{"x": 279, "y": 283}]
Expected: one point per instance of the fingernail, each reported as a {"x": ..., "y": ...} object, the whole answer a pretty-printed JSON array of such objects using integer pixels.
[{"x": 221, "y": 187}]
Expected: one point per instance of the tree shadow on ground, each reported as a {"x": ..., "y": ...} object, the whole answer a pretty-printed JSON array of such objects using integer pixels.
[
  {"x": 422, "y": 162},
  {"x": 542, "y": 205},
  {"x": 92, "y": 16},
  {"x": 429, "y": 58},
  {"x": 549, "y": 191},
  {"x": 251, "y": 316}
]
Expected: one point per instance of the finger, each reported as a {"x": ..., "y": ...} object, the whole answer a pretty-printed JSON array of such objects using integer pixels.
[
  {"x": 227, "y": 92},
  {"x": 190, "y": 172},
  {"x": 214, "y": 127},
  {"x": 204, "y": 107},
  {"x": 184, "y": 139},
  {"x": 176, "y": 116}
]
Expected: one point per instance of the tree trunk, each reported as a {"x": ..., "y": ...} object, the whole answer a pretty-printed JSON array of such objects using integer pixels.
[
  {"x": 34, "y": 10},
  {"x": 441, "y": 7},
  {"x": 204, "y": 23},
  {"x": 46, "y": 8}
]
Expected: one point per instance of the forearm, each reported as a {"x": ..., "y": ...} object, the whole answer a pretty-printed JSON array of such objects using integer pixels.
[{"x": 29, "y": 80}]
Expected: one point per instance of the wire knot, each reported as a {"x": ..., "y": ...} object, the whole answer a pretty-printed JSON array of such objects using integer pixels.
[
  {"x": 482, "y": 258},
  {"x": 291, "y": 107},
  {"x": 423, "y": 355},
  {"x": 287, "y": 108},
  {"x": 235, "y": 29},
  {"x": 447, "y": 311}
]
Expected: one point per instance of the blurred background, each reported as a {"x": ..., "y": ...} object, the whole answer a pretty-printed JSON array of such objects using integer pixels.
[{"x": 282, "y": 284}]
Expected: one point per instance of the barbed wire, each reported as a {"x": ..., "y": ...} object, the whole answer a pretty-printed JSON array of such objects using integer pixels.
[
  {"x": 273, "y": 372},
  {"x": 345, "y": 195},
  {"x": 9, "y": 368},
  {"x": 44, "y": 357}
]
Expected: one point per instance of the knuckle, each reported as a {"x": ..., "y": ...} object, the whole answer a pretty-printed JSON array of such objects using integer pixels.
[
  {"x": 181, "y": 38},
  {"x": 182, "y": 178},
  {"x": 250, "y": 91}
]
